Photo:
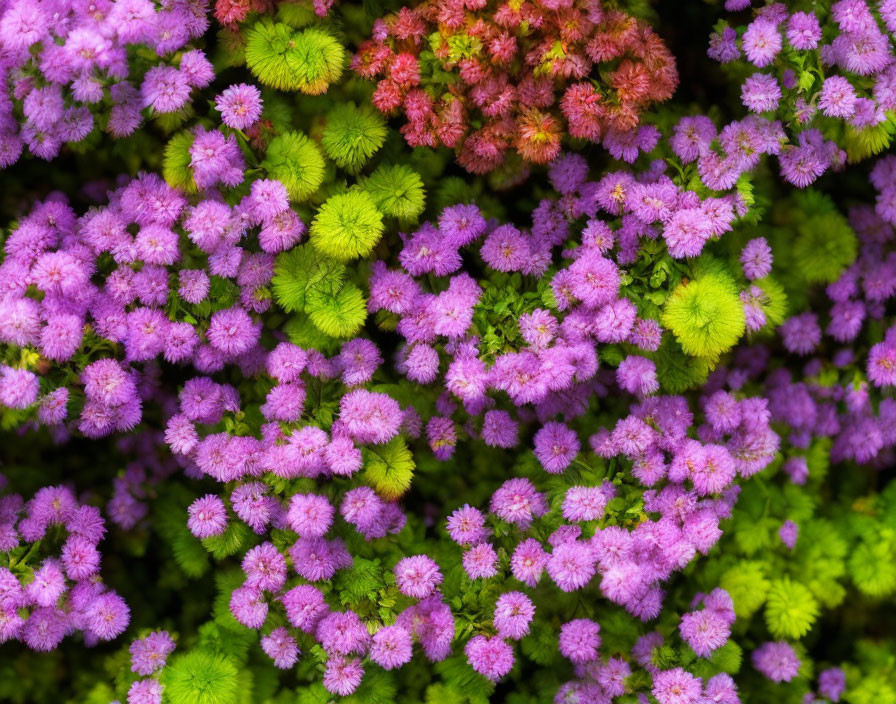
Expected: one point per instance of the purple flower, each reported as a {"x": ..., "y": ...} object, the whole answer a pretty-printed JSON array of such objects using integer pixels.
[
  {"x": 481, "y": 561},
  {"x": 803, "y": 30},
  {"x": 147, "y": 691},
  {"x": 761, "y": 43},
  {"x": 585, "y": 503},
  {"x": 391, "y": 647},
  {"x": 343, "y": 633},
  {"x": 342, "y": 675},
  {"x": 239, "y": 105},
  {"x": 310, "y": 515},
  {"x": 760, "y": 93},
  {"x": 513, "y": 614},
  {"x": 149, "y": 654},
  {"x": 417, "y": 576},
  {"x": 18, "y": 387},
  {"x": 489, "y": 656},
  {"x": 788, "y": 533},
  {"x": 248, "y": 607},
  {"x": 281, "y": 648},
  {"x": 265, "y": 568},
  {"x": 165, "y": 89},
  {"x": 232, "y": 331},
  {"x": 801, "y": 333},
  {"x": 207, "y": 517},
  {"x": 107, "y": 616},
  {"x": 466, "y": 525},
  {"x": 676, "y": 687},
  {"x": 579, "y": 640},
  {"x": 838, "y": 97},
  {"x": 705, "y": 630},
  {"x": 304, "y": 606},
  {"x": 528, "y": 562},
  {"x": 370, "y": 417},
  {"x": 637, "y": 375},
  {"x": 756, "y": 259},
  {"x": 571, "y": 566},
  {"x": 831, "y": 683},
  {"x": 499, "y": 429},
  {"x": 556, "y": 446},
  {"x": 777, "y": 661}
]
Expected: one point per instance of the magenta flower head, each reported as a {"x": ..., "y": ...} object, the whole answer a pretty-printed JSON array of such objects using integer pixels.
[
  {"x": 107, "y": 616},
  {"x": 481, "y": 561},
  {"x": 831, "y": 683},
  {"x": 310, "y": 515},
  {"x": 150, "y": 653},
  {"x": 18, "y": 387},
  {"x": 676, "y": 687},
  {"x": 513, "y": 614},
  {"x": 466, "y": 525},
  {"x": 147, "y": 691},
  {"x": 579, "y": 640},
  {"x": 777, "y": 661},
  {"x": 556, "y": 446},
  {"x": 281, "y": 648},
  {"x": 343, "y": 675},
  {"x": 207, "y": 517},
  {"x": 489, "y": 656},
  {"x": 342, "y": 633},
  {"x": 392, "y": 647},
  {"x": 417, "y": 576},
  {"x": 239, "y": 105}
]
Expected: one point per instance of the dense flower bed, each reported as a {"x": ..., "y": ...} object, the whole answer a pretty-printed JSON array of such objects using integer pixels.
[{"x": 455, "y": 352}]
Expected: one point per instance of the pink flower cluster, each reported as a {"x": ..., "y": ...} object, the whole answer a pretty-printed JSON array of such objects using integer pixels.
[
  {"x": 66, "y": 593},
  {"x": 524, "y": 73},
  {"x": 848, "y": 75},
  {"x": 69, "y": 62}
]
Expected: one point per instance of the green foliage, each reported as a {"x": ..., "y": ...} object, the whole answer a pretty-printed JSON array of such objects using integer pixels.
[
  {"x": 677, "y": 371},
  {"x": 705, "y": 315},
  {"x": 397, "y": 191},
  {"x": 389, "y": 468},
  {"x": 189, "y": 554},
  {"x": 790, "y": 609},
  {"x": 230, "y": 542},
  {"x": 352, "y": 135},
  {"x": 285, "y": 59},
  {"x": 347, "y": 226},
  {"x": 199, "y": 677},
  {"x": 747, "y": 585},
  {"x": 176, "y": 162},
  {"x": 774, "y": 302},
  {"x": 872, "y": 566},
  {"x": 826, "y": 244},
  {"x": 337, "y": 312},
  {"x": 361, "y": 581},
  {"x": 868, "y": 141},
  {"x": 295, "y": 161},
  {"x": 300, "y": 271}
]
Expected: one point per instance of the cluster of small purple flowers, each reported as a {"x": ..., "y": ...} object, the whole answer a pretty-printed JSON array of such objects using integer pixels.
[
  {"x": 691, "y": 488},
  {"x": 846, "y": 75},
  {"x": 148, "y": 655},
  {"x": 65, "y": 63},
  {"x": 163, "y": 255},
  {"x": 65, "y": 593}
]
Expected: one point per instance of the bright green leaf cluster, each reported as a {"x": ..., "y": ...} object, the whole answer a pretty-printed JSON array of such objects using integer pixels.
[
  {"x": 347, "y": 226},
  {"x": 285, "y": 59},
  {"x": 352, "y": 135},
  {"x": 297, "y": 163},
  {"x": 705, "y": 315}
]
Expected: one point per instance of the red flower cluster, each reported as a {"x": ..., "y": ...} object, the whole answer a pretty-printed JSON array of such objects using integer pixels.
[
  {"x": 485, "y": 77},
  {"x": 230, "y": 12}
]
